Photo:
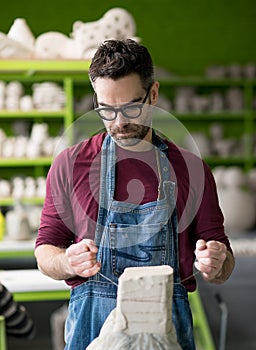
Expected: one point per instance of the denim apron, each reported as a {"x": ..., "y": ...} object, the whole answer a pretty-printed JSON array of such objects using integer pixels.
[{"x": 129, "y": 235}]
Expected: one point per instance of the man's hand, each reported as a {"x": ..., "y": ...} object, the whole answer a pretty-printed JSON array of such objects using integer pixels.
[
  {"x": 210, "y": 258},
  {"x": 82, "y": 258}
]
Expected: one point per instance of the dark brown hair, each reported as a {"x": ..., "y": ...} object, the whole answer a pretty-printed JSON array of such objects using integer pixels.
[{"x": 116, "y": 59}]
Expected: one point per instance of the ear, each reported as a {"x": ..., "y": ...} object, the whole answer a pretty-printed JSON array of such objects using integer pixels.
[{"x": 154, "y": 92}]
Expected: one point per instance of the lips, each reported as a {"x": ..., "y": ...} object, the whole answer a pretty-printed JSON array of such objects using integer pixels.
[{"x": 124, "y": 135}]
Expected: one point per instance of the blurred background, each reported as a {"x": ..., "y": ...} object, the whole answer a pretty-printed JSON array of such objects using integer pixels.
[
  {"x": 183, "y": 36},
  {"x": 205, "y": 58}
]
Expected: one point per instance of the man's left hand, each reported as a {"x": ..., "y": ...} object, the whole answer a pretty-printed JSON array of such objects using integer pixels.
[{"x": 210, "y": 257}]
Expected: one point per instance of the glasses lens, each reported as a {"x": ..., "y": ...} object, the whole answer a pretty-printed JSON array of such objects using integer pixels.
[
  {"x": 106, "y": 113},
  {"x": 133, "y": 111}
]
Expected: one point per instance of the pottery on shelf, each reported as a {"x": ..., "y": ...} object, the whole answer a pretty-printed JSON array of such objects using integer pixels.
[
  {"x": 21, "y": 33},
  {"x": 236, "y": 200}
]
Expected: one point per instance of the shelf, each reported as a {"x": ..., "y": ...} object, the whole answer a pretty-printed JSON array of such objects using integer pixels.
[
  {"x": 38, "y": 70},
  {"x": 32, "y": 285},
  {"x": 16, "y": 162},
  {"x": 16, "y": 249},
  {"x": 225, "y": 160},
  {"x": 202, "y": 81},
  {"x": 9, "y": 201},
  {"x": 35, "y": 65},
  {"x": 32, "y": 114},
  {"x": 207, "y": 116},
  {"x": 243, "y": 243}
]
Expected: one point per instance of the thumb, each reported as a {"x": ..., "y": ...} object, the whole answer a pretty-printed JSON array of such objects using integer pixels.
[
  {"x": 200, "y": 244},
  {"x": 90, "y": 245}
]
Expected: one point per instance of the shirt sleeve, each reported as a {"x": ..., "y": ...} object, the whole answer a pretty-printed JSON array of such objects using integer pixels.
[
  {"x": 209, "y": 221},
  {"x": 56, "y": 225}
]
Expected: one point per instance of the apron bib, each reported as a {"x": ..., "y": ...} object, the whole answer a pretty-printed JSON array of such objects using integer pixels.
[{"x": 128, "y": 235}]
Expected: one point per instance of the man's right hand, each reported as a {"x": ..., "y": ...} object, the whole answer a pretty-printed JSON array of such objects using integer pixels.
[{"x": 82, "y": 258}]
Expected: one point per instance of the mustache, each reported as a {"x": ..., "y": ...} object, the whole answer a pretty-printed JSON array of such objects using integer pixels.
[{"x": 125, "y": 129}]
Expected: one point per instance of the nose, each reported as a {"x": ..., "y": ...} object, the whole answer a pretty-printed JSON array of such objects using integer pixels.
[{"x": 121, "y": 120}]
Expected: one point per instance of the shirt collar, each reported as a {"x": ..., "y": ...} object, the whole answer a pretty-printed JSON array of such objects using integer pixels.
[{"x": 158, "y": 142}]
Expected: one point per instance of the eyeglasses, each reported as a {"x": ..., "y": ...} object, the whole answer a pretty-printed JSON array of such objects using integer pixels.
[{"x": 130, "y": 110}]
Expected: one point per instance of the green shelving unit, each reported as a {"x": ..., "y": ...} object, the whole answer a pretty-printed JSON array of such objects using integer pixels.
[
  {"x": 73, "y": 74},
  {"x": 65, "y": 72},
  {"x": 244, "y": 120}
]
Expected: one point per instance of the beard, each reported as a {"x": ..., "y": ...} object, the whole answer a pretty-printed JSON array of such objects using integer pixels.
[{"x": 129, "y": 134}]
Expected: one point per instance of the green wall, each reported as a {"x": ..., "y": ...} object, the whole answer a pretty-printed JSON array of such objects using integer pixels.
[{"x": 183, "y": 36}]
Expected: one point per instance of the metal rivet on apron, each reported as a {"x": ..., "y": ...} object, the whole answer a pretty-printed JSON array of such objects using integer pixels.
[{"x": 165, "y": 168}]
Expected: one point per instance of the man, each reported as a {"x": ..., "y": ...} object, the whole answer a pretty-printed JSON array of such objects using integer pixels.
[{"x": 116, "y": 200}]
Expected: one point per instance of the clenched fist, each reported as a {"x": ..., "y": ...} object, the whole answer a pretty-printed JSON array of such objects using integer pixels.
[
  {"x": 82, "y": 258},
  {"x": 210, "y": 257}
]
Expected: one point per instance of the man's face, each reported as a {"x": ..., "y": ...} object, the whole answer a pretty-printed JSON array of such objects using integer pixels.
[{"x": 129, "y": 94}]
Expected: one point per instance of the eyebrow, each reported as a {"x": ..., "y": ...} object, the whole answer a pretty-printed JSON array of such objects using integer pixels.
[{"x": 125, "y": 104}]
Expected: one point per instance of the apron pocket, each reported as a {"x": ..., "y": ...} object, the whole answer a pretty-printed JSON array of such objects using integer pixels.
[{"x": 137, "y": 245}]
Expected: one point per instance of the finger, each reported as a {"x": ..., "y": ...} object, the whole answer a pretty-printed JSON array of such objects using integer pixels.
[
  {"x": 81, "y": 258},
  {"x": 200, "y": 248},
  {"x": 76, "y": 249},
  {"x": 91, "y": 271},
  {"x": 200, "y": 244},
  {"x": 217, "y": 250},
  {"x": 81, "y": 247},
  {"x": 92, "y": 246},
  {"x": 86, "y": 265},
  {"x": 207, "y": 272},
  {"x": 216, "y": 245},
  {"x": 208, "y": 263}
]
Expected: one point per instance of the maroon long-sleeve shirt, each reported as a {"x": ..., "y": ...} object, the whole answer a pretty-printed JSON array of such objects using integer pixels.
[{"x": 72, "y": 193}]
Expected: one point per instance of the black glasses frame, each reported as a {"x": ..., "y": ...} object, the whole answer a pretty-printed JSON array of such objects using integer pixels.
[{"x": 122, "y": 109}]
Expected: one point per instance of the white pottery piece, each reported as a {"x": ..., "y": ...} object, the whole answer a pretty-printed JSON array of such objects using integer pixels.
[
  {"x": 2, "y": 88},
  {"x": 33, "y": 149},
  {"x": 34, "y": 214},
  {"x": 29, "y": 187},
  {"x": 41, "y": 187},
  {"x": 21, "y": 32},
  {"x": 26, "y": 103},
  {"x": 250, "y": 71},
  {"x": 70, "y": 50},
  {"x": 116, "y": 23},
  {"x": 48, "y": 147},
  {"x": 120, "y": 22},
  {"x": 218, "y": 174},
  {"x": 251, "y": 178},
  {"x": 200, "y": 140},
  {"x": 50, "y": 45},
  {"x": 233, "y": 177},
  {"x": 17, "y": 224},
  {"x": 216, "y": 102},
  {"x": 10, "y": 48},
  {"x": 2, "y": 102},
  {"x": 14, "y": 89},
  {"x": 238, "y": 209},
  {"x": 8, "y": 147},
  {"x": 17, "y": 187},
  {"x": 39, "y": 132},
  {"x": 20, "y": 146},
  {"x": 5, "y": 189},
  {"x": 12, "y": 103},
  {"x": 48, "y": 96},
  {"x": 216, "y": 131}
]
